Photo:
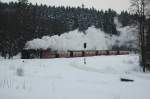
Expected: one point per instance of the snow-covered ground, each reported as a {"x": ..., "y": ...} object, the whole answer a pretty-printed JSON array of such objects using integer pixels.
[{"x": 70, "y": 78}]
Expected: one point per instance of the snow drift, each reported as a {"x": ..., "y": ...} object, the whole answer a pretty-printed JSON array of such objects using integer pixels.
[{"x": 96, "y": 39}]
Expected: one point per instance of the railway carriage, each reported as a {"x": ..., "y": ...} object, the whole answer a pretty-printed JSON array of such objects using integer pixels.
[
  {"x": 102, "y": 52},
  {"x": 113, "y": 52},
  {"x": 61, "y": 54},
  {"x": 77, "y": 53},
  {"x": 90, "y": 53},
  {"x": 123, "y": 52}
]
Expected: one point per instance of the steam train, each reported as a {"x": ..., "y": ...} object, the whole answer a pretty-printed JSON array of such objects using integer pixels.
[{"x": 45, "y": 54}]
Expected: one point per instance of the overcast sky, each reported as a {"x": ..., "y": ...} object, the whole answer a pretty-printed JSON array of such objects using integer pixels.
[{"x": 117, "y": 5}]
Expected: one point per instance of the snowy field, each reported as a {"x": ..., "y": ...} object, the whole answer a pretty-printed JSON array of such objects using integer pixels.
[{"x": 69, "y": 78}]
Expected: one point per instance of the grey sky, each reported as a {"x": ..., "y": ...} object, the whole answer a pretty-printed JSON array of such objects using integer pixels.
[{"x": 117, "y": 5}]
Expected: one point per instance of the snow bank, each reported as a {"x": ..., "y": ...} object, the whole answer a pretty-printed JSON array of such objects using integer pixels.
[
  {"x": 95, "y": 39},
  {"x": 18, "y": 56},
  {"x": 1, "y": 57}
]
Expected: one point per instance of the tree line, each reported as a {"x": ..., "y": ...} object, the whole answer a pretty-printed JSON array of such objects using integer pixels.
[{"x": 22, "y": 21}]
